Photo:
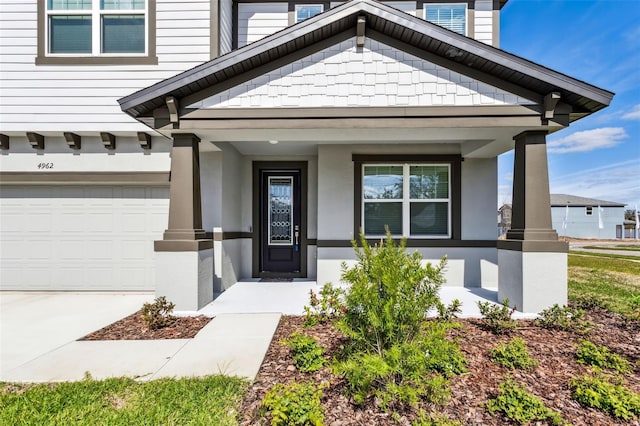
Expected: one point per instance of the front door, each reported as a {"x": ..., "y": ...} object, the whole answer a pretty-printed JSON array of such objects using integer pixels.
[{"x": 280, "y": 234}]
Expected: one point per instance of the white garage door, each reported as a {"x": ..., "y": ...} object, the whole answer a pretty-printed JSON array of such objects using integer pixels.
[{"x": 80, "y": 237}]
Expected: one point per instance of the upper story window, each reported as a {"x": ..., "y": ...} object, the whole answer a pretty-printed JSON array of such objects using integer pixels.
[
  {"x": 412, "y": 200},
  {"x": 588, "y": 210},
  {"x": 306, "y": 11},
  {"x": 452, "y": 16},
  {"x": 96, "y": 32},
  {"x": 96, "y": 27}
]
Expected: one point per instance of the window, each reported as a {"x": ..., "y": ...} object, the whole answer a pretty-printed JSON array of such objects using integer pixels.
[
  {"x": 588, "y": 210},
  {"x": 306, "y": 11},
  {"x": 451, "y": 16},
  {"x": 413, "y": 200},
  {"x": 96, "y": 27}
]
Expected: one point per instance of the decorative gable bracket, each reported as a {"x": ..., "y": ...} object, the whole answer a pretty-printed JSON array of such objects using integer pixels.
[
  {"x": 549, "y": 105},
  {"x": 362, "y": 21}
]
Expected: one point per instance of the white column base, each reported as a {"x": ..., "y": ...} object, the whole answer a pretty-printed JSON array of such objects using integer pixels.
[
  {"x": 185, "y": 278},
  {"x": 532, "y": 281}
]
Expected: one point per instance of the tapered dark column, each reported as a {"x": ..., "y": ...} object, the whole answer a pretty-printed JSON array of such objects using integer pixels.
[
  {"x": 185, "y": 212},
  {"x": 531, "y": 214}
]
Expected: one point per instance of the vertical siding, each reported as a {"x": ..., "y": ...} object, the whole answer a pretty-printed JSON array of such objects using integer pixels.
[
  {"x": 483, "y": 21},
  {"x": 258, "y": 20},
  {"x": 84, "y": 98},
  {"x": 226, "y": 26}
]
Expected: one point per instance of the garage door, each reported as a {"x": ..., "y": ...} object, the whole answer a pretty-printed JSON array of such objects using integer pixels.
[{"x": 80, "y": 237}]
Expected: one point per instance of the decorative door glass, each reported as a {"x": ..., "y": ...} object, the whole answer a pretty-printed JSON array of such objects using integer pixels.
[{"x": 280, "y": 210}]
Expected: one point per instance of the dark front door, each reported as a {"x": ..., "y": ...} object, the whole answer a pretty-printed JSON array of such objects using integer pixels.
[{"x": 280, "y": 222}]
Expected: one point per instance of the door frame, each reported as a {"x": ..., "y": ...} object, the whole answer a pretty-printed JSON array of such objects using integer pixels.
[{"x": 258, "y": 167}]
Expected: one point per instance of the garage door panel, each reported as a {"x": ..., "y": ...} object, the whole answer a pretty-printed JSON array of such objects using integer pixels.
[{"x": 80, "y": 238}]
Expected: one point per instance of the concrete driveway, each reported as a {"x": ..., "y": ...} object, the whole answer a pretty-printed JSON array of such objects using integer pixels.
[{"x": 34, "y": 324}]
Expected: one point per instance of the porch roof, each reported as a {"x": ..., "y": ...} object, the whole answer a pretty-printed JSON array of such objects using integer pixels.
[{"x": 468, "y": 55}]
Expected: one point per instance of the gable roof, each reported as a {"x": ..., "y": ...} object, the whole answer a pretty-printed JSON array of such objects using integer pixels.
[
  {"x": 472, "y": 55},
  {"x": 562, "y": 200}
]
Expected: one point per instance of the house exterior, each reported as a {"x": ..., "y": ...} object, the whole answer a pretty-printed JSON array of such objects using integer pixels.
[
  {"x": 580, "y": 217},
  {"x": 504, "y": 219},
  {"x": 182, "y": 146}
]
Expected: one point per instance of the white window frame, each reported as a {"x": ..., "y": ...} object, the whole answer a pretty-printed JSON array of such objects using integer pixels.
[
  {"x": 466, "y": 14},
  {"x": 96, "y": 28},
  {"x": 299, "y": 5},
  {"x": 406, "y": 200}
]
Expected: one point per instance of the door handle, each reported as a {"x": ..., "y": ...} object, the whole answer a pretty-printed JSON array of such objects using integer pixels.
[{"x": 296, "y": 234}]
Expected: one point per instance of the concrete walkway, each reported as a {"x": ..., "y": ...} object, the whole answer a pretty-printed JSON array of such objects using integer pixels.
[{"x": 39, "y": 332}]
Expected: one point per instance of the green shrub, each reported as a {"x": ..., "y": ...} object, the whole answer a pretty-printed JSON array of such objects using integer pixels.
[
  {"x": 563, "y": 318},
  {"x": 513, "y": 355},
  {"x": 327, "y": 307},
  {"x": 157, "y": 314},
  {"x": 294, "y": 404},
  {"x": 406, "y": 372},
  {"x": 602, "y": 393},
  {"x": 307, "y": 353},
  {"x": 600, "y": 356},
  {"x": 447, "y": 313},
  {"x": 389, "y": 295},
  {"x": 521, "y": 406},
  {"x": 498, "y": 317},
  {"x": 425, "y": 419}
]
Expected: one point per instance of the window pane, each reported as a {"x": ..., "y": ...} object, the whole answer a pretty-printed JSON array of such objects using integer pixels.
[
  {"x": 280, "y": 210},
  {"x": 123, "y": 34},
  {"x": 382, "y": 182},
  {"x": 428, "y": 182},
  {"x": 69, "y": 4},
  {"x": 429, "y": 218},
  {"x": 453, "y": 16},
  {"x": 377, "y": 215},
  {"x": 122, "y": 4},
  {"x": 70, "y": 34},
  {"x": 307, "y": 11}
]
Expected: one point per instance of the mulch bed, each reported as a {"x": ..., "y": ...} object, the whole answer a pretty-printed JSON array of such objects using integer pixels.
[
  {"x": 555, "y": 351},
  {"x": 133, "y": 327}
]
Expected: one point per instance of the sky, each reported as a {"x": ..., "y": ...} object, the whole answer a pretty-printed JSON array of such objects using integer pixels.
[{"x": 597, "y": 42}]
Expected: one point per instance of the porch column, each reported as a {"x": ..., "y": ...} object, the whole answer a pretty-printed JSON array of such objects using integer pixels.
[
  {"x": 532, "y": 262},
  {"x": 184, "y": 257}
]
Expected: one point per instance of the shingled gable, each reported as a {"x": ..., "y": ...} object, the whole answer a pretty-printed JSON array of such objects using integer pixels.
[{"x": 386, "y": 24}]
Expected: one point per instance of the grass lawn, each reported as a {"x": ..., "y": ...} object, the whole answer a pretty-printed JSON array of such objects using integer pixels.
[
  {"x": 618, "y": 247},
  {"x": 610, "y": 256},
  {"x": 204, "y": 401},
  {"x": 612, "y": 281}
]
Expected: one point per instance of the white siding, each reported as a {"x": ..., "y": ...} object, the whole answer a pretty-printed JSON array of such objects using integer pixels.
[
  {"x": 80, "y": 237},
  {"x": 405, "y": 6},
  {"x": 258, "y": 20},
  {"x": 226, "y": 26},
  {"x": 376, "y": 75},
  {"x": 483, "y": 21},
  {"x": 581, "y": 225},
  {"x": 83, "y": 98}
]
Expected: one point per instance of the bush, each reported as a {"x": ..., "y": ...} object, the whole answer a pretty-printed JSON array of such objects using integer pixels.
[
  {"x": 521, "y": 406},
  {"x": 563, "y": 318},
  {"x": 406, "y": 372},
  {"x": 600, "y": 356},
  {"x": 425, "y": 419},
  {"x": 498, "y": 317},
  {"x": 327, "y": 307},
  {"x": 590, "y": 302},
  {"x": 601, "y": 393},
  {"x": 513, "y": 355},
  {"x": 294, "y": 404},
  {"x": 447, "y": 313},
  {"x": 307, "y": 353},
  {"x": 390, "y": 293},
  {"x": 157, "y": 314}
]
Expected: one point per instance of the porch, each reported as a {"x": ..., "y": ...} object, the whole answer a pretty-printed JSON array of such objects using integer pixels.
[{"x": 289, "y": 298}]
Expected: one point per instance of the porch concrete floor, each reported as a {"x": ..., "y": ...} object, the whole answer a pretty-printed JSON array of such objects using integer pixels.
[{"x": 289, "y": 298}]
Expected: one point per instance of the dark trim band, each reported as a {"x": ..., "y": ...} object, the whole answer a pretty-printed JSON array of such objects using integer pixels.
[
  {"x": 222, "y": 236},
  {"x": 182, "y": 245},
  {"x": 534, "y": 246},
  {"x": 416, "y": 243}
]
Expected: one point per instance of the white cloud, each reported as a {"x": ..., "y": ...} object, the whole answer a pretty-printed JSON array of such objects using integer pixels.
[
  {"x": 634, "y": 114},
  {"x": 588, "y": 140},
  {"x": 614, "y": 182}
]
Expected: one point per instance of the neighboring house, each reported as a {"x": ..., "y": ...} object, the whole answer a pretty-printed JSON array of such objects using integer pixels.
[
  {"x": 580, "y": 217},
  {"x": 504, "y": 219},
  {"x": 289, "y": 132}
]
